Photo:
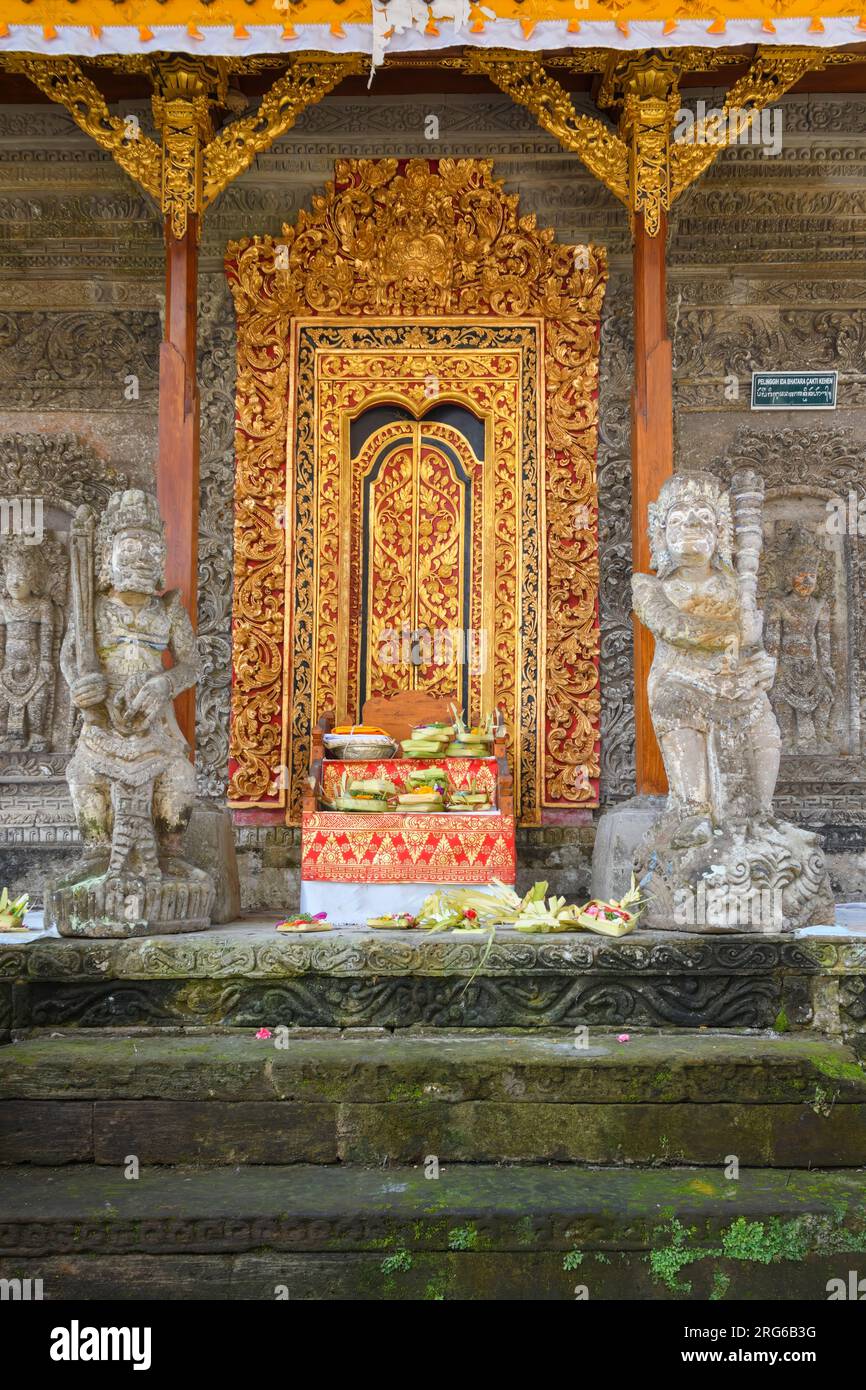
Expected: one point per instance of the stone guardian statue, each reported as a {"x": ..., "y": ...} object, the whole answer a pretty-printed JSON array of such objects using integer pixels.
[
  {"x": 130, "y": 779},
  {"x": 717, "y": 859}
]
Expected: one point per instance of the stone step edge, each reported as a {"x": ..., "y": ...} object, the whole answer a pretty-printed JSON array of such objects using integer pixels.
[
  {"x": 649, "y": 1068},
  {"x": 221, "y": 1133},
  {"x": 766, "y": 1215}
]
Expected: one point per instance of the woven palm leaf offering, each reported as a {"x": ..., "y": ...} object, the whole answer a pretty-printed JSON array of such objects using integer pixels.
[
  {"x": 613, "y": 918},
  {"x": 364, "y": 794},
  {"x": 306, "y": 922},
  {"x": 474, "y": 909},
  {"x": 426, "y": 790},
  {"x": 469, "y": 798},
  {"x": 393, "y": 921},
  {"x": 12, "y": 911},
  {"x": 428, "y": 740},
  {"x": 471, "y": 742}
]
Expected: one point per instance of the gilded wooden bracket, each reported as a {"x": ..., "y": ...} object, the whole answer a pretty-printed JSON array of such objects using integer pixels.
[
  {"x": 62, "y": 80},
  {"x": 646, "y": 89},
  {"x": 309, "y": 79},
  {"x": 527, "y": 82},
  {"x": 773, "y": 73},
  {"x": 192, "y": 165},
  {"x": 643, "y": 165},
  {"x": 185, "y": 91}
]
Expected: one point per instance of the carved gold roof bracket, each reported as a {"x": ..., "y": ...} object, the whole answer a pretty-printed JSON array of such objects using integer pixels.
[
  {"x": 310, "y": 78},
  {"x": 642, "y": 164},
  {"x": 527, "y": 82},
  {"x": 192, "y": 165},
  {"x": 185, "y": 91},
  {"x": 646, "y": 87},
  {"x": 62, "y": 80},
  {"x": 773, "y": 72}
]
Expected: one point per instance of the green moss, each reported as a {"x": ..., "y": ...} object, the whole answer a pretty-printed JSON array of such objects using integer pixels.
[
  {"x": 398, "y": 1263},
  {"x": 436, "y": 1289},
  {"x": 766, "y": 1244},
  {"x": 780, "y": 1023},
  {"x": 838, "y": 1070},
  {"x": 525, "y": 1231},
  {"x": 463, "y": 1238},
  {"x": 402, "y": 1092},
  {"x": 721, "y": 1284},
  {"x": 756, "y": 1242}
]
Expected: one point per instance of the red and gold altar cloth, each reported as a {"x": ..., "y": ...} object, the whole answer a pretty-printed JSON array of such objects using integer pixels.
[
  {"x": 461, "y": 772},
  {"x": 389, "y": 847}
]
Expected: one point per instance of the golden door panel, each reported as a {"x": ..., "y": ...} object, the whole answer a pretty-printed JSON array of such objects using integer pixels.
[
  {"x": 417, "y": 532},
  {"x": 413, "y": 529}
]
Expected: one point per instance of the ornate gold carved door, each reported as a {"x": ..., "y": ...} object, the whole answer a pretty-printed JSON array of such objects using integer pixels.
[
  {"x": 408, "y": 273},
  {"x": 415, "y": 583},
  {"x": 416, "y": 453}
]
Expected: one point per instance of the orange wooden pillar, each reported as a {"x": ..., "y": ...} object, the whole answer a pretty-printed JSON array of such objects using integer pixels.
[
  {"x": 652, "y": 451},
  {"x": 178, "y": 466}
]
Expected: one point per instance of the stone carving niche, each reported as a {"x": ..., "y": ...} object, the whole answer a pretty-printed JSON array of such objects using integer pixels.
[
  {"x": 811, "y": 588},
  {"x": 44, "y": 478}
]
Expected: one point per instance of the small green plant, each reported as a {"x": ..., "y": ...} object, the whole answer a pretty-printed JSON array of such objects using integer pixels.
[
  {"x": 721, "y": 1284},
  {"x": 667, "y": 1262},
  {"x": 573, "y": 1259},
  {"x": 462, "y": 1238},
  {"x": 398, "y": 1263}
]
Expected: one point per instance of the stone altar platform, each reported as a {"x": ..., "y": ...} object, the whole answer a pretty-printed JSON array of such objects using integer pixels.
[{"x": 247, "y": 975}]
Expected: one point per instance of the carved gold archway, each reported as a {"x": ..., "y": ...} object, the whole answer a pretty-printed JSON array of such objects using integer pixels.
[{"x": 397, "y": 246}]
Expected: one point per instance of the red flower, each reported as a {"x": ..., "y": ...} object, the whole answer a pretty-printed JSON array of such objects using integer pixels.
[{"x": 470, "y": 914}]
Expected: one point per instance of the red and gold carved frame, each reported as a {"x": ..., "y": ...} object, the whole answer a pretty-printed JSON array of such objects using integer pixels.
[{"x": 403, "y": 269}]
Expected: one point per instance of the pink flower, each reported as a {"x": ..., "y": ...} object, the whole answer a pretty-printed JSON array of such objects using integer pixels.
[
  {"x": 264, "y": 1033},
  {"x": 319, "y": 916},
  {"x": 623, "y": 1037}
]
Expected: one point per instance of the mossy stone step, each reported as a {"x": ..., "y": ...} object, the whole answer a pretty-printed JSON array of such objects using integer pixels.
[
  {"x": 474, "y": 1232},
  {"x": 465, "y": 1097}
]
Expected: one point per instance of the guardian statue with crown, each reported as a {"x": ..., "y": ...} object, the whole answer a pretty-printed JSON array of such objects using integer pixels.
[
  {"x": 718, "y": 858},
  {"x": 130, "y": 778}
]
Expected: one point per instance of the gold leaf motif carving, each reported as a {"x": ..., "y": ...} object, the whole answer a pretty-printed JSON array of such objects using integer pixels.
[{"x": 400, "y": 242}]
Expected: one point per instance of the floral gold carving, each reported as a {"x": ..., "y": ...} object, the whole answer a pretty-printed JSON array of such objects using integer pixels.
[{"x": 398, "y": 242}]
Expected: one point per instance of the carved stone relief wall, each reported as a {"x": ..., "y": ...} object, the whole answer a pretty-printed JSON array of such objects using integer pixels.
[
  {"x": 766, "y": 270},
  {"x": 785, "y": 288}
]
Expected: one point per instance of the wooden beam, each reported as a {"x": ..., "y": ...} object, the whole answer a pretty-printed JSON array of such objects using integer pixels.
[
  {"x": 178, "y": 465},
  {"x": 652, "y": 451}
]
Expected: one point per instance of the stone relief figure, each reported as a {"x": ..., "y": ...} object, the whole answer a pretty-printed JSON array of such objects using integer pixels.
[
  {"x": 718, "y": 735},
  {"x": 131, "y": 782},
  {"x": 797, "y": 634},
  {"x": 31, "y": 626}
]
